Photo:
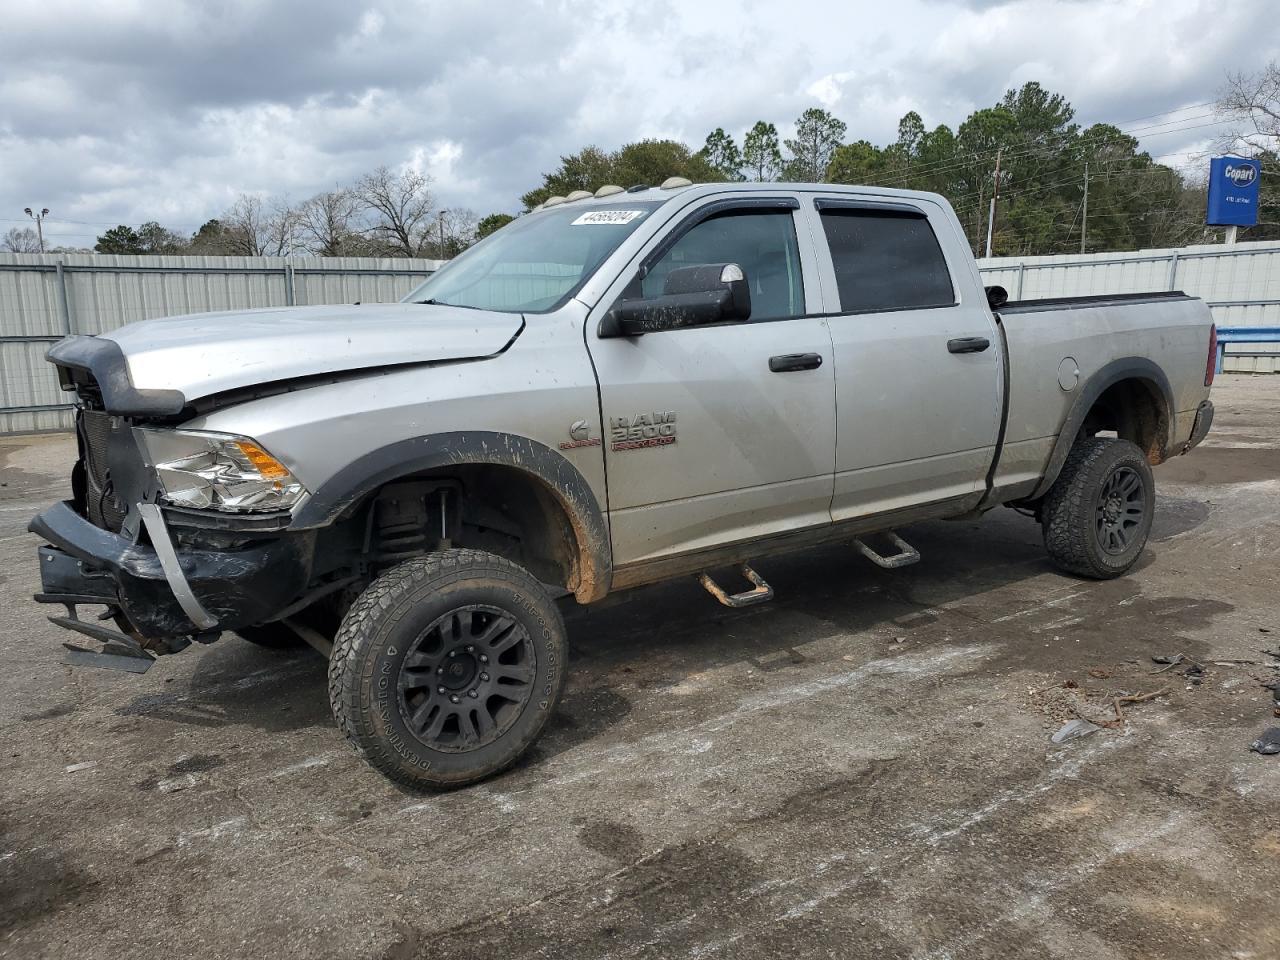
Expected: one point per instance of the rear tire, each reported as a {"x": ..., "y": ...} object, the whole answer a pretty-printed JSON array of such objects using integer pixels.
[
  {"x": 1097, "y": 515},
  {"x": 447, "y": 668}
]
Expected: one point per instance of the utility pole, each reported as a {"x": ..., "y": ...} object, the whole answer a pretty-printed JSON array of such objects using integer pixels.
[
  {"x": 1084, "y": 215},
  {"x": 442, "y": 256},
  {"x": 39, "y": 219},
  {"x": 991, "y": 218}
]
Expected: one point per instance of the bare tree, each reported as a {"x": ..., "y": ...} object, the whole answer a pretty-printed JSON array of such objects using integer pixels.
[
  {"x": 254, "y": 229},
  {"x": 455, "y": 231},
  {"x": 328, "y": 223},
  {"x": 1253, "y": 102},
  {"x": 282, "y": 229},
  {"x": 401, "y": 207},
  {"x": 21, "y": 240}
]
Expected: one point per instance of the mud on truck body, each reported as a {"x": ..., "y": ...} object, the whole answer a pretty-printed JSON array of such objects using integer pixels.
[{"x": 613, "y": 390}]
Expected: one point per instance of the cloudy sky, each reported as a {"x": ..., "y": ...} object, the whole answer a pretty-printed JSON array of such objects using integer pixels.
[{"x": 130, "y": 110}]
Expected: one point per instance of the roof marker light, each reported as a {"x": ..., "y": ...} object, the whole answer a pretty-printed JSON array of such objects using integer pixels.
[{"x": 672, "y": 182}]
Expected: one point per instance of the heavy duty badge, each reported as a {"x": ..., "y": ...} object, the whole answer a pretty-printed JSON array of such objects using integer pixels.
[
  {"x": 642, "y": 430},
  {"x": 580, "y": 431}
]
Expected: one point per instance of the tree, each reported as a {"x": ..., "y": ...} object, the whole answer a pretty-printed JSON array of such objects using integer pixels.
[
  {"x": 857, "y": 162},
  {"x": 121, "y": 239},
  {"x": 978, "y": 143},
  {"x": 22, "y": 240},
  {"x": 643, "y": 162},
  {"x": 156, "y": 239},
  {"x": 761, "y": 152},
  {"x": 455, "y": 231},
  {"x": 818, "y": 134},
  {"x": 911, "y": 136},
  {"x": 400, "y": 204},
  {"x": 1252, "y": 101},
  {"x": 588, "y": 169},
  {"x": 280, "y": 230},
  {"x": 328, "y": 223},
  {"x": 211, "y": 239},
  {"x": 494, "y": 221},
  {"x": 256, "y": 228},
  {"x": 653, "y": 161},
  {"x": 721, "y": 153}
]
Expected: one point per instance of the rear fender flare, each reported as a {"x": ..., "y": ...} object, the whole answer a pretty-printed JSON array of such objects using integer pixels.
[
  {"x": 1126, "y": 368},
  {"x": 406, "y": 457}
]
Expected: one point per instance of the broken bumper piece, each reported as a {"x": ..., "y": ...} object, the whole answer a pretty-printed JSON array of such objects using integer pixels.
[{"x": 168, "y": 592}]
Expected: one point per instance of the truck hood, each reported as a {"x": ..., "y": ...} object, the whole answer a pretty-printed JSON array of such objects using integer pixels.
[{"x": 206, "y": 353}]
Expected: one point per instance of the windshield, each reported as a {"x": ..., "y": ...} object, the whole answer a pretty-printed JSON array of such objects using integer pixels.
[{"x": 536, "y": 262}]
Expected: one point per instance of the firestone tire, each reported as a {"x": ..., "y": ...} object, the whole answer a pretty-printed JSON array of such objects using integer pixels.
[
  {"x": 447, "y": 668},
  {"x": 1098, "y": 514}
]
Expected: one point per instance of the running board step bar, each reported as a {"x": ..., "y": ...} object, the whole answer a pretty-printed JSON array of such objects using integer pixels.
[
  {"x": 905, "y": 556},
  {"x": 762, "y": 593}
]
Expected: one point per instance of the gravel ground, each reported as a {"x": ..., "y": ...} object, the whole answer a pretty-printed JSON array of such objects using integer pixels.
[{"x": 862, "y": 768}]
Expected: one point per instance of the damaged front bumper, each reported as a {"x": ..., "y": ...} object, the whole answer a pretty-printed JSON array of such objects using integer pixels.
[{"x": 187, "y": 583}]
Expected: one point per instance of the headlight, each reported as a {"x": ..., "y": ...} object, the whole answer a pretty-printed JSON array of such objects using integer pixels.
[{"x": 219, "y": 471}]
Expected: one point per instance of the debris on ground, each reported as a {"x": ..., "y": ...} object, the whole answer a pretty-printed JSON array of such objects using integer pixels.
[
  {"x": 1120, "y": 702},
  {"x": 1074, "y": 729},
  {"x": 1181, "y": 658},
  {"x": 1268, "y": 743},
  {"x": 1103, "y": 708},
  {"x": 77, "y": 767},
  {"x": 1195, "y": 669}
]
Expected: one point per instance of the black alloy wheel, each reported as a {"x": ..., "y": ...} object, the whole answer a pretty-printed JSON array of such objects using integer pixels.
[
  {"x": 466, "y": 678},
  {"x": 1121, "y": 508}
]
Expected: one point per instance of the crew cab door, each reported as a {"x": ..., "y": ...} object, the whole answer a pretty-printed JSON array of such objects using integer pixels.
[
  {"x": 706, "y": 441},
  {"x": 919, "y": 377}
]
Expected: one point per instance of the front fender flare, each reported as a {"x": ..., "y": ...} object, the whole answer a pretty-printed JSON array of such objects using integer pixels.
[
  {"x": 1125, "y": 368},
  {"x": 405, "y": 457}
]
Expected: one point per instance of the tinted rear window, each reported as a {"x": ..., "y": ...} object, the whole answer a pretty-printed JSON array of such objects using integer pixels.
[{"x": 885, "y": 260}]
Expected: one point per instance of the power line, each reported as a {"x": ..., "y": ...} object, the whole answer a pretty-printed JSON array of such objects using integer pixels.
[{"x": 1194, "y": 106}]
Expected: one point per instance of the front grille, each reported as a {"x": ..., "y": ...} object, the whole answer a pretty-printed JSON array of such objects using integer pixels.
[{"x": 100, "y": 502}]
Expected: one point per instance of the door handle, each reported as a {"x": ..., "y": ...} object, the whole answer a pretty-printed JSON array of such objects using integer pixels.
[
  {"x": 795, "y": 361},
  {"x": 968, "y": 345}
]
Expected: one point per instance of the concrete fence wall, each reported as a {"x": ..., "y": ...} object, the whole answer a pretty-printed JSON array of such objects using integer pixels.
[
  {"x": 44, "y": 297},
  {"x": 1241, "y": 283}
]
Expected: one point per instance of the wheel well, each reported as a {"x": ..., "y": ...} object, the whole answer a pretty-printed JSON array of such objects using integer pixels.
[
  {"x": 492, "y": 507},
  {"x": 1135, "y": 410}
]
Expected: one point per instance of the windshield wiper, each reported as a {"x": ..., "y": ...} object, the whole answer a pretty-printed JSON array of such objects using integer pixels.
[{"x": 441, "y": 303}]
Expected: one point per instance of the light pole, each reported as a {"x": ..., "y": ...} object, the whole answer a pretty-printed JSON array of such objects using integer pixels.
[{"x": 39, "y": 219}]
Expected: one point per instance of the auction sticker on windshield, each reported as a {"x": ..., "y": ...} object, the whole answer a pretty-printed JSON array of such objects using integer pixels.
[{"x": 608, "y": 217}]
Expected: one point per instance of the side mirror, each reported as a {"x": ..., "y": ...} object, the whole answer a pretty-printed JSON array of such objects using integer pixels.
[
  {"x": 997, "y": 297},
  {"x": 691, "y": 297}
]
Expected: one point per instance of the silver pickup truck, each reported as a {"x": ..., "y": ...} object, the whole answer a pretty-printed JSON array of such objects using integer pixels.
[{"x": 613, "y": 390}]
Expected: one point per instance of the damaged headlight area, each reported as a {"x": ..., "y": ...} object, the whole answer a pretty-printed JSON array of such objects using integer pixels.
[{"x": 218, "y": 471}]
